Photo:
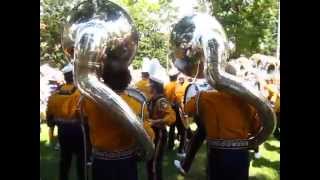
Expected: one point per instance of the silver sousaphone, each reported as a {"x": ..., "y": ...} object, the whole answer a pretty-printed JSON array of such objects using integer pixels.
[
  {"x": 100, "y": 34},
  {"x": 200, "y": 49}
]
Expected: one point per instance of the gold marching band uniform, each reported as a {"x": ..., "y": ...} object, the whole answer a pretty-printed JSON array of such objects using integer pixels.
[
  {"x": 61, "y": 112},
  {"x": 169, "y": 91},
  {"x": 273, "y": 96},
  {"x": 118, "y": 139},
  {"x": 180, "y": 90},
  {"x": 224, "y": 116},
  {"x": 159, "y": 110},
  {"x": 113, "y": 147},
  {"x": 144, "y": 86},
  {"x": 174, "y": 92}
]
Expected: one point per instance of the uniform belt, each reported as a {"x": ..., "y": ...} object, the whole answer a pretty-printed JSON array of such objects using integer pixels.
[
  {"x": 228, "y": 144},
  {"x": 115, "y": 155},
  {"x": 69, "y": 121}
]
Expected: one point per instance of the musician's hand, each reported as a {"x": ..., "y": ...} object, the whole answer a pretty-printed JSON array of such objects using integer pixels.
[
  {"x": 78, "y": 113},
  {"x": 157, "y": 123}
]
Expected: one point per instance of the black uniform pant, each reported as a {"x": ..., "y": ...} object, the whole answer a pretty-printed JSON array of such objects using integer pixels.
[
  {"x": 277, "y": 130},
  {"x": 193, "y": 146},
  {"x": 122, "y": 169},
  {"x": 189, "y": 133},
  {"x": 71, "y": 143},
  {"x": 228, "y": 164},
  {"x": 154, "y": 166},
  {"x": 181, "y": 132}
]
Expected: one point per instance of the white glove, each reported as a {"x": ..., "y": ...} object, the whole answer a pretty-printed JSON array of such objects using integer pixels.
[{"x": 257, "y": 155}]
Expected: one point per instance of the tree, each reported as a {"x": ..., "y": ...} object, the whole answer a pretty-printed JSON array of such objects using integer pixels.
[
  {"x": 52, "y": 16},
  {"x": 149, "y": 19},
  {"x": 251, "y": 24}
]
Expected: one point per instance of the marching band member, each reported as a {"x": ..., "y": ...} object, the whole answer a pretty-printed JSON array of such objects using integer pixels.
[
  {"x": 220, "y": 116},
  {"x": 225, "y": 116},
  {"x": 59, "y": 112},
  {"x": 179, "y": 93},
  {"x": 231, "y": 116},
  {"x": 195, "y": 142},
  {"x": 54, "y": 87},
  {"x": 191, "y": 149},
  {"x": 273, "y": 96},
  {"x": 102, "y": 54},
  {"x": 161, "y": 115},
  {"x": 277, "y": 111},
  {"x": 143, "y": 85},
  {"x": 170, "y": 89},
  {"x": 113, "y": 147},
  {"x": 180, "y": 89}
]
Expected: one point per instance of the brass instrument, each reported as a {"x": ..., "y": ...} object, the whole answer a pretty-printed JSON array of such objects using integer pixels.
[
  {"x": 100, "y": 34},
  {"x": 201, "y": 49}
]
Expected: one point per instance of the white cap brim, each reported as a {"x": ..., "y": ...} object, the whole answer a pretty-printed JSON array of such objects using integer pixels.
[{"x": 68, "y": 68}]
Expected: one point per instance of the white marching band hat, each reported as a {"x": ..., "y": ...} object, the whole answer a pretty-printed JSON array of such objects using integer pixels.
[
  {"x": 173, "y": 71},
  {"x": 145, "y": 64},
  {"x": 156, "y": 72},
  {"x": 68, "y": 68}
]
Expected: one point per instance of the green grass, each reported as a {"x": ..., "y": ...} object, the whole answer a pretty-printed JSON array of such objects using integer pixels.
[{"x": 265, "y": 168}]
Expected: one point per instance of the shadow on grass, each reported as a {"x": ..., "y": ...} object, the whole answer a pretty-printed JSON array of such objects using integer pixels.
[
  {"x": 168, "y": 169},
  {"x": 198, "y": 167},
  {"x": 270, "y": 147},
  {"x": 259, "y": 177},
  {"x": 48, "y": 162},
  {"x": 263, "y": 162},
  {"x": 197, "y": 170}
]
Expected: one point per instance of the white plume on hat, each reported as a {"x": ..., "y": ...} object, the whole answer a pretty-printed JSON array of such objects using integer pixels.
[
  {"x": 67, "y": 68},
  {"x": 157, "y": 72},
  {"x": 173, "y": 71},
  {"x": 145, "y": 64}
]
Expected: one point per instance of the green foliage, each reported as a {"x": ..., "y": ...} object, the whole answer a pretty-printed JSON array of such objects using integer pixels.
[
  {"x": 252, "y": 24},
  {"x": 52, "y": 17},
  {"x": 149, "y": 18}
]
